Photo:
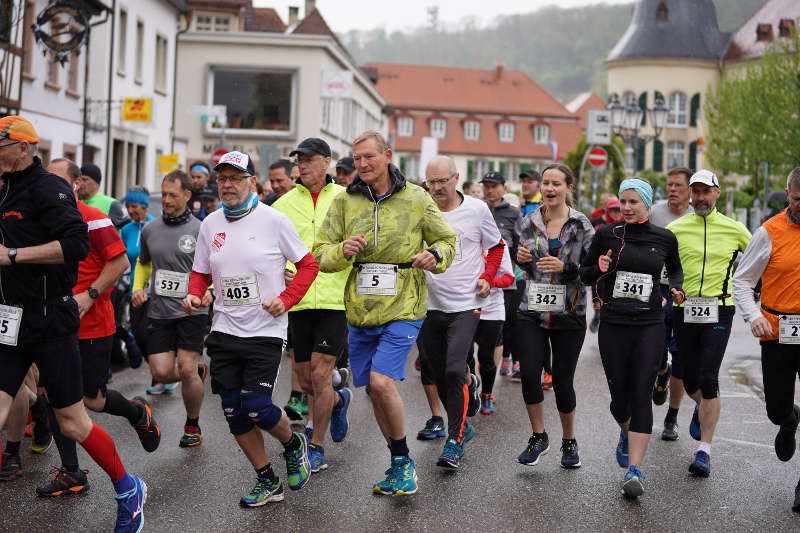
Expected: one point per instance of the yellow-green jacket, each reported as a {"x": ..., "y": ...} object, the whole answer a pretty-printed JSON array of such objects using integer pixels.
[
  {"x": 327, "y": 291},
  {"x": 395, "y": 228}
]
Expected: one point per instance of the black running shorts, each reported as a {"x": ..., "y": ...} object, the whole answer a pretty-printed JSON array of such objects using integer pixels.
[
  {"x": 243, "y": 363},
  {"x": 95, "y": 364},
  {"x": 317, "y": 331},
  {"x": 185, "y": 333}
]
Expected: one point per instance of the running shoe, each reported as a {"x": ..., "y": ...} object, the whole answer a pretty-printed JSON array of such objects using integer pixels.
[
  {"x": 192, "y": 436},
  {"x": 662, "y": 386},
  {"x": 169, "y": 387},
  {"x": 622, "y": 450},
  {"x": 156, "y": 389},
  {"x": 469, "y": 433},
  {"x": 309, "y": 431},
  {"x": 538, "y": 445},
  {"x": 339, "y": 421},
  {"x": 42, "y": 436},
  {"x": 434, "y": 429},
  {"x": 202, "y": 371},
  {"x": 451, "y": 455},
  {"x": 64, "y": 483},
  {"x": 701, "y": 466},
  {"x": 515, "y": 373},
  {"x": 547, "y": 381},
  {"x": 147, "y": 428},
  {"x": 401, "y": 478},
  {"x": 796, "y": 506},
  {"x": 569, "y": 454},
  {"x": 293, "y": 408},
  {"x": 316, "y": 457},
  {"x": 694, "y": 425},
  {"x": 130, "y": 508},
  {"x": 487, "y": 404},
  {"x": 594, "y": 325},
  {"x": 505, "y": 366},
  {"x": 304, "y": 405},
  {"x": 474, "y": 395},
  {"x": 11, "y": 467},
  {"x": 633, "y": 485},
  {"x": 670, "y": 431},
  {"x": 135, "y": 357},
  {"x": 344, "y": 378},
  {"x": 785, "y": 443},
  {"x": 264, "y": 492},
  {"x": 298, "y": 469}
]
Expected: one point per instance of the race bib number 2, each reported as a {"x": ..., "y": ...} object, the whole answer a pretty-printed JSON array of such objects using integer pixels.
[
  {"x": 789, "y": 329},
  {"x": 240, "y": 290},
  {"x": 10, "y": 318},
  {"x": 633, "y": 285},
  {"x": 378, "y": 279}
]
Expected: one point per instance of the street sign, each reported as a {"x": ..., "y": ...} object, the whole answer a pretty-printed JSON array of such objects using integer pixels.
[
  {"x": 168, "y": 163},
  {"x": 598, "y": 128},
  {"x": 137, "y": 109},
  {"x": 337, "y": 84},
  {"x": 598, "y": 156},
  {"x": 218, "y": 155}
]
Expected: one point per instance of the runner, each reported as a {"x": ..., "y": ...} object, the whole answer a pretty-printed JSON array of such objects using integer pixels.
[
  {"x": 317, "y": 322},
  {"x": 44, "y": 238},
  {"x": 772, "y": 257},
  {"x": 709, "y": 244},
  {"x": 670, "y": 376},
  {"x": 165, "y": 262},
  {"x": 89, "y": 193},
  {"x": 202, "y": 188},
  {"x": 345, "y": 171},
  {"x": 379, "y": 226},
  {"x": 624, "y": 262},
  {"x": 280, "y": 177},
  {"x": 552, "y": 315},
  {"x": 454, "y": 301},
  {"x": 246, "y": 265},
  {"x": 531, "y": 191}
]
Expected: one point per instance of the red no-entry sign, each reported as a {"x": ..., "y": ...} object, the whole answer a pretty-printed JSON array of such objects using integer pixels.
[
  {"x": 218, "y": 155},
  {"x": 598, "y": 156}
]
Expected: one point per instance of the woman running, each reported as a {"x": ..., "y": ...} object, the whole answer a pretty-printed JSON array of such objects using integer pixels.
[
  {"x": 552, "y": 316},
  {"x": 624, "y": 263}
]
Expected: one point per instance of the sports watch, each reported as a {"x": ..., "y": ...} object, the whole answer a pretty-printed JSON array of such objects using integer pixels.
[
  {"x": 436, "y": 254},
  {"x": 12, "y": 255},
  {"x": 93, "y": 294}
]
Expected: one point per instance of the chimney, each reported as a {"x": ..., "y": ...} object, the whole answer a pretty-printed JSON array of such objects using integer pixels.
[
  {"x": 294, "y": 15},
  {"x": 498, "y": 71},
  {"x": 311, "y": 5}
]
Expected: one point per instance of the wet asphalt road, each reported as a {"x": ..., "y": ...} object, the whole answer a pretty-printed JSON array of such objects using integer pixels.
[{"x": 198, "y": 489}]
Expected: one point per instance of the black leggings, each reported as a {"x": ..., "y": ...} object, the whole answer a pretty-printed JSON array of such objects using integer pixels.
[
  {"x": 631, "y": 358},
  {"x": 702, "y": 347},
  {"x": 780, "y": 364},
  {"x": 487, "y": 336},
  {"x": 532, "y": 346},
  {"x": 512, "y": 299}
]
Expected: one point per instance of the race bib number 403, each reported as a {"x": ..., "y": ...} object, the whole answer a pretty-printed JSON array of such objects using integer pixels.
[
  {"x": 10, "y": 318},
  {"x": 633, "y": 285},
  {"x": 240, "y": 290},
  {"x": 378, "y": 279},
  {"x": 546, "y": 298},
  {"x": 789, "y": 329}
]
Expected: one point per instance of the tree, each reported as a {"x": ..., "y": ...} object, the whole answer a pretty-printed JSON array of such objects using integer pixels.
[{"x": 615, "y": 169}]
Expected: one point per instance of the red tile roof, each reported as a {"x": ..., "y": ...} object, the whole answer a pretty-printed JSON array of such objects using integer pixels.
[
  {"x": 263, "y": 19},
  {"x": 314, "y": 24}
]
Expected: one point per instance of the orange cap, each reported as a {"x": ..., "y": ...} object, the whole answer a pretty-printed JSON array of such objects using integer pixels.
[{"x": 18, "y": 128}]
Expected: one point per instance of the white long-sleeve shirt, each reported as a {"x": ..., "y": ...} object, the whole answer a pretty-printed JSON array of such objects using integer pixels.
[{"x": 751, "y": 268}]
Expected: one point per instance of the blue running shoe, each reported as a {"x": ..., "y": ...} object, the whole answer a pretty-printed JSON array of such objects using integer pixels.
[
  {"x": 155, "y": 389},
  {"x": 469, "y": 433},
  {"x": 434, "y": 429},
  {"x": 569, "y": 454},
  {"x": 538, "y": 445},
  {"x": 309, "y": 431},
  {"x": 298, "y": 468},
  {"x": 339, "y": 421},
  {"x": 487, "y": 404},
  {"x": 622, "y": 450},
  {"x": 264, "y": 491},
  {"x": 701, "y": 466},
  {"x": 451, "y": 455},
  {"x": 401, "y": 478},
  {"x": 474, "y": 395},
  {"x": 169, "y": 387},
  {"x": 694, "y": 425},
  {"x": 633, "y": 486},
  {"x": 316, "y": 456},
  {"x": 130, "y": 508}
]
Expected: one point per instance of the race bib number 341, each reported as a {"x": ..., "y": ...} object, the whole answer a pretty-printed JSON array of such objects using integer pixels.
[
  {"x": 240, "y": 290},
  {"x": 789, "y": 329},
  {"x": 633, "y": 285}
]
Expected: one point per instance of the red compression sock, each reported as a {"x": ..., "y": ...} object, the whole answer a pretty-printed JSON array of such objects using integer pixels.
[{"x": 101, "y": 448}]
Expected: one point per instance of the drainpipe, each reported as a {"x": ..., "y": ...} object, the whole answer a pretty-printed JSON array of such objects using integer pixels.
[
  {"x": 110, "y": 95},
  {"x": 175, "y": 80}
]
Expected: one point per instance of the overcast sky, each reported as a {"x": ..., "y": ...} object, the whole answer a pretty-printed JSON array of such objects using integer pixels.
[{"x": 345, "y": 15}]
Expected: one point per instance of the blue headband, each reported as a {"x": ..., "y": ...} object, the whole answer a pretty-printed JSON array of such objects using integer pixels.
[
  {"x": 137, "y": 198},
  {"x": 642, "y": 188},
  {"x": 201, "y": 168}
]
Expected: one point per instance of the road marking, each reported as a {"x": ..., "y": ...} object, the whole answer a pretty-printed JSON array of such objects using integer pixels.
[{"x": 734, "y": 441}]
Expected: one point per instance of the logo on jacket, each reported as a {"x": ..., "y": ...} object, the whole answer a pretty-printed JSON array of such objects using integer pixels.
[
  {"x": 218, "y": 242},
  {"x": 9, "y": 214},
  {"x": 187, "y": 243}
]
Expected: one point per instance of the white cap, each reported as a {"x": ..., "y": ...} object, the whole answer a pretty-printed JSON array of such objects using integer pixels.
[{"x": 706, "y": 177}]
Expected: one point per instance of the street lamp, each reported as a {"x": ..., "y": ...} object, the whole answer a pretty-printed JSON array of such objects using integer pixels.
[{"x": 626, "y": 121}]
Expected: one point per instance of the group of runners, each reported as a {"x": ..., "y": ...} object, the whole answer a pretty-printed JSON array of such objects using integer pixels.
[{"x": 352, "y": 277}]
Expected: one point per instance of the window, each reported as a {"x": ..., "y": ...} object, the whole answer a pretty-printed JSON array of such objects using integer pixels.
[
  {"x": 139, "y": 51},
  {"x": 73, "y": 73},
  {"x": 438, "y": 128},
  {"x": 122, "y": 44},
  {"x": 27, "y": 62},
  {"x": 405, "y": 127},
  {"x": 472, "y": 130},
  {"x": 327, "y": 114},
  {"x": 677, "y": 109},
  {"x": 6, "y": 20},
  {"x": 213, "y": 23},
  {"x": 628, "y": 98},
  {"x": 506, "y": 132},
  {"x": 662, "y": 13},
  {"x": 161, "y": 64},
  {"x": 541, "y": 133},
  {"x": 786, "y": 28},
  {"x": 53, "y": 67},
  {"x": 676, "y": 154},
  {"x": 629, "y": 162},
  {"x": 256, "y": 100},
  {"x": 764, "y": 32}
]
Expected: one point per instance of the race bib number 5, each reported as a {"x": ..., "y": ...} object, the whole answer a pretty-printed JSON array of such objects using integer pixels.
[
  {"x": 240, "y": 290},
  {"x": 546, "y": 298},
  {"x": 789, "y": 329},
  {"x": 172, "y": 284},
  {"x": 377, "y": 279},
  {"x": 633, "y": 285},
  {"x": 10, "y": 318}
]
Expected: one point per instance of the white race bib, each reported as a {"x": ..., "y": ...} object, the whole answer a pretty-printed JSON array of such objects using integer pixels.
[
  {"x": 788, "y": 329},
  {"x": 240, "y": 290},
  {"x": 701, "y": 311},
  {"x": 377, "y": 278},
  {"x": 10, "y": 318},
  {"x": 633, "y": 285},
  {"x": 664, "y": 277},
  {"x": 546, "y": 298},
  {"x": 172, "y": 284},
  {"x": 458, "y": 248}
]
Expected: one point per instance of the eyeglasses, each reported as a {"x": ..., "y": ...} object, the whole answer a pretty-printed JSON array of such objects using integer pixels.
[
  {"x": 436, "y": 183},
  {"x": 306, "y": 161},
  {"x": 9, "y": 144},
  {"x": 233, "y": 180}
]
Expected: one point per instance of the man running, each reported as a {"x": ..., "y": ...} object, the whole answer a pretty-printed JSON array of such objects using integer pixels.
[
  {"x": 89, "y": 193},
  {"x": 345, "y": 171},
  {"x": 317, "y": 322},
  {"x": 773, "y": 256},
  {"x": 243, "y": 248},
  {"x": 44, "y": 238},
  {"x": 708, "y": 243},
  {"x": 454, "y": 301},
  {"x": 165, "y": 260},
  {"x": 379, "y": 226},
  {"x": 531, "y": 193}
]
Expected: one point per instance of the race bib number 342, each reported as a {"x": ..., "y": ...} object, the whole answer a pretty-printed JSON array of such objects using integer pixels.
[
  {"x": 546, "y": 298},
  {"x": 633, "y": 285},
  {"x": 240, "y": 290},
  {"x": 789, "y": 329}
]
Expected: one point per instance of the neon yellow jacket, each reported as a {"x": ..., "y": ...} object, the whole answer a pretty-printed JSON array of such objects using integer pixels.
[
  {"x": 327, "y": 291},
  {"x": 708, "y": 247},
  {"x": 395, "y": 228}
]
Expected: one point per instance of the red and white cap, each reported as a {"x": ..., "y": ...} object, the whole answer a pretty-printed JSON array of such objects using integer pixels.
[{"x": 237, "y": 160}]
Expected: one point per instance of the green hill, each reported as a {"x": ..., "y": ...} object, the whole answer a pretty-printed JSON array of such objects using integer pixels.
[{"x": 562, "y": 49}]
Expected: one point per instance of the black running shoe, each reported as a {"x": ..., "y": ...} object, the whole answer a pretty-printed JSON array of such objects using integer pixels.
[
  {"x": 42, "y": 436},
  {"x": 192, "y": 436},
  {"x": 64, "y": 483},
  {"x": 12, "y": 467},
  {"x": 474, "y": 403},
  {"x": 147, "y": 428},
  {"x": 434, "y": 429},
  {"x": 661, "y": 387},
  {"x": 135, "y": 356},
  {"x": 785, "y": 443}
]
